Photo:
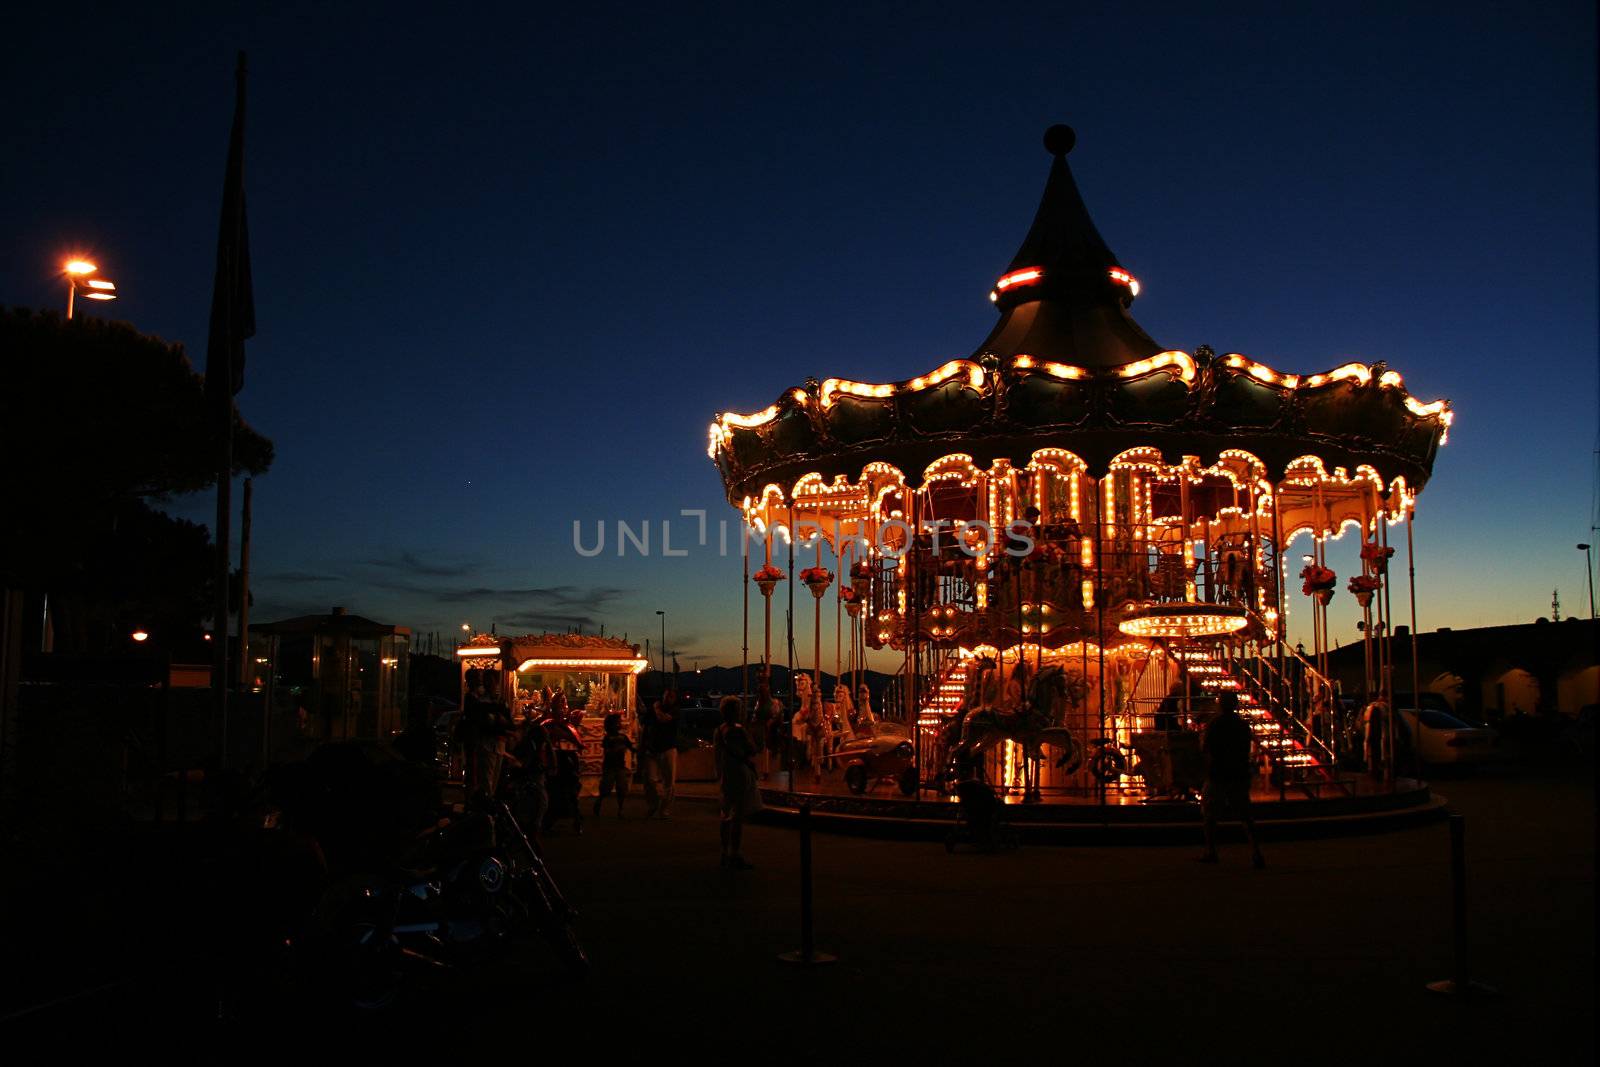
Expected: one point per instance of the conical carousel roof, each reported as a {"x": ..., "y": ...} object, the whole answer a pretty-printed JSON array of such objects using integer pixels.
[
  {"x": 1067, "y": 367},
  {"x": 1065, "y": 298}
]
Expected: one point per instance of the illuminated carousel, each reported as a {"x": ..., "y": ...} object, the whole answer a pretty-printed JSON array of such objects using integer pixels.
[{"x": 1069, "y": 543}]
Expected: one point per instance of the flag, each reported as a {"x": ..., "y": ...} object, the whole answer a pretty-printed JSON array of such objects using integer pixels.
[
  {"x": 233, "y": 318},
  {"x": 233, "y": 305}
]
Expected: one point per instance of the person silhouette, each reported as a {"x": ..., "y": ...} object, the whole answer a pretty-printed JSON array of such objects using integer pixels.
[{"x": 1229, "y": 772}]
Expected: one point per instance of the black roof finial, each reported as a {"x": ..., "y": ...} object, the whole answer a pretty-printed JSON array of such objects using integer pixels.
[{"x": 1059, "y": 139}]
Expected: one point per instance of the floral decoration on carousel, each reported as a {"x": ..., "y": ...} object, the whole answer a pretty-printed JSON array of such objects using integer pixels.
[
  {"x": 1362, "y": 586},
  {"x": 1376, "y": 557},
  {"x": 1318, "y": 581},
  {"x": 768, "y": 578},
  {"x": 817, "y": 579}
]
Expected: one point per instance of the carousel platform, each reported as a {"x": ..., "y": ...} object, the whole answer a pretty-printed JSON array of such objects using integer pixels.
[{"x": 1356, "y": 806}]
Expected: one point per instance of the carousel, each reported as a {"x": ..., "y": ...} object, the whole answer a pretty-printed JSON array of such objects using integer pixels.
[
  {"x": 1071, "y": 542},
  {"x": 579, "y": 678}
]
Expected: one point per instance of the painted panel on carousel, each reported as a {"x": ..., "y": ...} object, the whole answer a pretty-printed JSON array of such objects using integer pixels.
[
  {"x": 949, "y": 406},
  {"x": 1040, "y": 400},
  {"x": 856, "y": 420}
]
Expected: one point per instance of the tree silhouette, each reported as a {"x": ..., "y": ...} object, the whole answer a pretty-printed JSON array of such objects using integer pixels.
[{"x": 97, "y": 423}]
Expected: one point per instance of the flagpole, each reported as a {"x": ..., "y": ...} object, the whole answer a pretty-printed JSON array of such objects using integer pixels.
[
  {"x": 219, "y": 610},
  {"x": 243, "y": 660},
  {"x": 232, "y": 321}
]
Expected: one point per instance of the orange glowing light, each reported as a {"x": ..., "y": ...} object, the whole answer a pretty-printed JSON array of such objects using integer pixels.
[
  {"x": 1180, "y": 360},
  {"x": 79, "y": 266},
  {"x": 631, "y": 666},
  {"x": 1055, "y": 370},
  {"x": 1357, "y": 372},
  {"x": 140, "y": 636},
  {"x": 1182, "y": 620},
  {"x": 1026, "y": 276}
]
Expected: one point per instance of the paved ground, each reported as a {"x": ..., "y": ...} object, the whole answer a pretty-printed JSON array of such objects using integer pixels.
[{"x": 1132, "y": 951}]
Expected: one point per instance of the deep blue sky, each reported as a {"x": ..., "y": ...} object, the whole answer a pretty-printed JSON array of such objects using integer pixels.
[{"x": 508, "y": 263}]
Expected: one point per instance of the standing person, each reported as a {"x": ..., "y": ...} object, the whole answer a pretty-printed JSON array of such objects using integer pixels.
[
  {"x": 1319, "y": 711},
  {"x": 493, "y": 741},
  {"x": 530, "y": 759},
  {"x": 614, "y": 749},
  {"x": 1229, "y": 772},
  {"x": 661, "y": 755},
  {"x": 1170, "y": 709},
  {"x": 736, "y": 773},
  {"x": 761, "y": 722},
  {"x": 471, "y": 728},
  {"x": 565, "y": 785},
  {"x": 779, "y": 749},
  {"x": 1375, "y": 731}
]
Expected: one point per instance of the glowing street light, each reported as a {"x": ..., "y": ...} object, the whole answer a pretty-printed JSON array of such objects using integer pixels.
[
  {"x": 80, "y": 278},
  {"x": 140, "y": 636}
]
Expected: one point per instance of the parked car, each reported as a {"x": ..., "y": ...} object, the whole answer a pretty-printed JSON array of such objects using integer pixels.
[
  {"x": 1443, "y": 738},
  {"x": 1430, "y": 702},
  {"x": 697, "y": 724},
  {"x": 697, "y": 727}
]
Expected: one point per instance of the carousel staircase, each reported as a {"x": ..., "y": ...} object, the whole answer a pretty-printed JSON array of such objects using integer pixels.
[
  {"x": 1294, "y": 764},
  {"x": 944, "y": 695}
]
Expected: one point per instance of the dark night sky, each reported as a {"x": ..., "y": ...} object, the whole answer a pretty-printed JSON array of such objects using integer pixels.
[{"x": 508, "y": 263}]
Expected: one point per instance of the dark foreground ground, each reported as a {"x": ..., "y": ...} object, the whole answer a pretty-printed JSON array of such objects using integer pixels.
[{"x": 1136, "y": 952}]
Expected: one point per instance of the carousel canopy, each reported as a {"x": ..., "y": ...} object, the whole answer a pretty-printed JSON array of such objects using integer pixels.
[
  {"x": 590, "y": 652},
  {"x": 1067, "y": 367}
]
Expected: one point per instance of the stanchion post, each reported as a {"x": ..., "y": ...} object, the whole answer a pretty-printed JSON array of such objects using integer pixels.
[
  {"x": 808, "y": 953},
  {"x": 1460, "y": 984}
]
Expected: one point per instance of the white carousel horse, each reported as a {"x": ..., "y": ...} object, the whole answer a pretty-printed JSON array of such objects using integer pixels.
[{"x": 844, "y": 708}]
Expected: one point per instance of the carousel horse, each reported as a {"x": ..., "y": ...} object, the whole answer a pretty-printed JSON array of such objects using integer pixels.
[
  {"x": 1036, "y": 720},
  {"x": 983, "y": 685}
]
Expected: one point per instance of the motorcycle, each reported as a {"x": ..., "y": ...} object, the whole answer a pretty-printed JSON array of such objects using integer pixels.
[
  {"x": 458, "y": 897},
  {"x": 374, "y": 901}
]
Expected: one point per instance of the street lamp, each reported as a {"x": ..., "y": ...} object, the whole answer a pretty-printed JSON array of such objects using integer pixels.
[
  {"x": 663, "y": 641},
  {"x": 1588, "y": 573},
  {"x": 80, "y": 277}
]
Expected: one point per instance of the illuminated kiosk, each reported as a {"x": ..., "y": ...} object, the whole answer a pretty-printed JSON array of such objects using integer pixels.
[
  {"x": 596, "y": 674},
  {"x": 1164, "y": 490}
]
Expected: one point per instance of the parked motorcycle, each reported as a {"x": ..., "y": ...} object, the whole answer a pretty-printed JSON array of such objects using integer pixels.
[
  {"x": 393, "y": 888},
  {"x": 457, "y": 897}
]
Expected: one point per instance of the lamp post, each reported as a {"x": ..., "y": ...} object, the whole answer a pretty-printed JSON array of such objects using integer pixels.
[
  {"x": 1588, "y": 573},
  {"x": 663, "y": 642},
  {"x": 80, "y": 276}
]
